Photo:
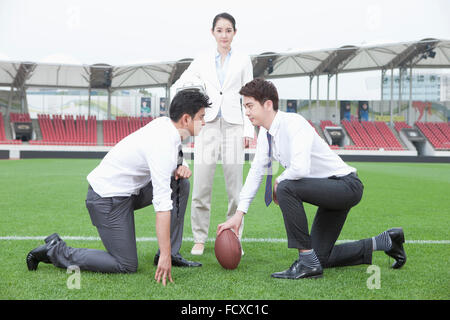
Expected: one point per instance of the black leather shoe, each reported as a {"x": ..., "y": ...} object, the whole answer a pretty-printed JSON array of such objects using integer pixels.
[
  {"x": 299, "y": 271},
  {"x": 179, "y": 262},
  {"x": 39, "y": 254},
  {"x": 52, "y": 237},
  {"x": 397, "y": 251}
]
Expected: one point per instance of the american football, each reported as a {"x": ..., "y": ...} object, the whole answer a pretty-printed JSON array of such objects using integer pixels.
[{"x": 228, "y": 249}]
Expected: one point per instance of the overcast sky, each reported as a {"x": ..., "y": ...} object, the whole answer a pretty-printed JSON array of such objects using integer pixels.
[{"x": 132, "y": 31}]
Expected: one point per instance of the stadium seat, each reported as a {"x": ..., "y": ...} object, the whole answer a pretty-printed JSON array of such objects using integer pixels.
[
  {"x": 445, "y": 128},
  {"x": 399, "y": 125},
  {"x": 326, "y": 123},
  {"x": 354, "y": 135},
  {"x": 3, "y": 139},
  {"x": 437, "y": 134},
  {"x": 19, "y": 117},
  {"x": 375, "y": 136},
  {"x": 368, "y": 135},
  {"x": 71, "y": 136},
  {"x": 58, "y": 131},
  {"x": 392, "y": 142},
  {"x": 92, "y": 130},
  {"x": 116, "y": 130}
]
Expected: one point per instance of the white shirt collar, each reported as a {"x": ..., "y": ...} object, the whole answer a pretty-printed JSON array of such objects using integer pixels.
[
  {"x": 177, "y": 137},
  {"x": 275, "y": 124}
]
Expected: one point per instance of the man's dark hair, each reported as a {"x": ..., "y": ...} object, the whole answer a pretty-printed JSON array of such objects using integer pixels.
[
  {"x": 226, "y": 16},
  {"x": 188, "y": 101},
  {"x": 261, "y": 90}
]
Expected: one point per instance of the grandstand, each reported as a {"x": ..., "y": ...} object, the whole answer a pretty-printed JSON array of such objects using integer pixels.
[
  {"x": 437, "y": 133},
  {"x": 87, "y": 131},
  {"x": 361, "y": 136}
]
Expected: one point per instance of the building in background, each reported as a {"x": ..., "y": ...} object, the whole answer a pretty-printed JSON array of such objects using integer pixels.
[{"x": 425, "y": 87}]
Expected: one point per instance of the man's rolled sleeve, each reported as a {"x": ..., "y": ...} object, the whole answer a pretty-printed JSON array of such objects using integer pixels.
[
  {"x": 162, "y": 164},
  {"x": 162, "y": 196}
]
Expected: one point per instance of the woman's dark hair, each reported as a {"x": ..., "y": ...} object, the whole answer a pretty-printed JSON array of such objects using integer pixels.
[
  {"x": 261, "y": 90},
  {"x": 226, "y": 16},
  {"x": 188, "y": 101}
]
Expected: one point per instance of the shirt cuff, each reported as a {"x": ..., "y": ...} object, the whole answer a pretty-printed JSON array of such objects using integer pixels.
[
  {"x": 243, "y": 207},
  {"x": 163, "y": 205}
]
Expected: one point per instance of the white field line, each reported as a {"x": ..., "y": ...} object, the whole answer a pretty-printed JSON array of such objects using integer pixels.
[{"x": 189, "y": 239}]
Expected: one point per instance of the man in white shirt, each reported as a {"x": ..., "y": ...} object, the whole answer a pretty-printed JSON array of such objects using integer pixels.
[
  {"x": 313, "y": 174},
  {"x": 144, "y": 168}
]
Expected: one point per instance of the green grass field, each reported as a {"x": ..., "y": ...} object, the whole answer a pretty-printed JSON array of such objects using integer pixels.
[{"x": 39, "y": 197}]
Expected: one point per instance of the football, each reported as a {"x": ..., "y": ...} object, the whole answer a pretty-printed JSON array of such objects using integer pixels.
[{"x": 228, "y": 249}]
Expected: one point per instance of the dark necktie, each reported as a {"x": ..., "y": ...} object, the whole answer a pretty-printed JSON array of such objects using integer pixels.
[
  {"x": 179, "y": 163},
  {"x": 180, "y": 156},
  {"x": 268, "y": 193}
]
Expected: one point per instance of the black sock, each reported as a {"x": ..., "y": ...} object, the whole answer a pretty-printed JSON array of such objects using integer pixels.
[
  {"x": 382, "y": 242},
  {"x": 309, "y": 258}
]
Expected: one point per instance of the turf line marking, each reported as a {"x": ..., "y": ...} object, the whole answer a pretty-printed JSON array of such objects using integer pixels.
[{"x": 189, "y": 239}]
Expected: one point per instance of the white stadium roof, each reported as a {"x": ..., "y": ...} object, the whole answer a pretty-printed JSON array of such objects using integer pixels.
[{"x": 427, "y": 53}]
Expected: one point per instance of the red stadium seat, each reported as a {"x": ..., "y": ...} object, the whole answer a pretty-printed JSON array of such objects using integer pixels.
[
  {"x": 57, "y": 131},
  {"x": 19, "y": 117},
  {"x": 367, "y": 135},
  {"x": 116, "y": 130},
  {"x": 436, "y": 133},
  {"x": 3, "y": 139}
]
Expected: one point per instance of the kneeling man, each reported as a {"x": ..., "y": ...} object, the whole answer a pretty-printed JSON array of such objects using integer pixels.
[
  {"x": 144, "y": 168},
  {"x": 314, "y": 174}
]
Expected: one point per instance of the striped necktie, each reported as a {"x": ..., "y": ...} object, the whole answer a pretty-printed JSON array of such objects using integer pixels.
[{"x": 268, "y": 193}]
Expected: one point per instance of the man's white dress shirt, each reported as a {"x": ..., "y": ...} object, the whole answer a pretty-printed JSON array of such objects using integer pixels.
[
  {"x": 298, "y": 148},
  {"x": 148, "y": 154}
]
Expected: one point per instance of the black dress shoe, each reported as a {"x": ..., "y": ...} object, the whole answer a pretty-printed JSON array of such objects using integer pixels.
[
  {"x": 179, "y": 261},
  {"x": 397, "y": 251},
  {"x": 39, "y": 254},
  {"x": 299, "y": 271},
  {"x": 52, "y": 237}
]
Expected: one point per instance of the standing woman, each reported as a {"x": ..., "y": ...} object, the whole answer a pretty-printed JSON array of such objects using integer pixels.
[{"x": 222, "y": 72}]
